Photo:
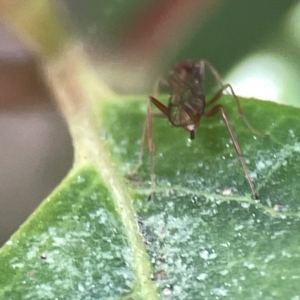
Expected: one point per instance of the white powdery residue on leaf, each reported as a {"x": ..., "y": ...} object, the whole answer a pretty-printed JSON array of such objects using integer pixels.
[
  {"x": 32, "y": 252},
  {"x": 44, "y": 291},
  {"x": 251, "y": 243},
  {"x": 238, "y": 227},
  {"x": 157, "y": 225},
  {"x": 227, "y": 191},
  {"x": 58, "y": 241},
  {"x": 17, "y": 265},
  {"x": 226, "y": 245},
  {"x": 260, "y": 165},
  {"x": 245, "y": 204},
  {"x": 178, "y": 290},
  {"x": 269, "y": 258},
  {"x": 93, "y": 196},
  {"x": 221, "y": 291},
  {"x": 81, "y": 234},
  {"x": 268, "y": 162},
  {"x": 107, "y": 255},
  {"x": 278, "y": 233},
  {"x": 284, "y": 253},
  {"x": 207, "y": 212},
  {"x": 100, "y": 215},
  {"x": 253, "y": 175},
  {"x": 52, "y": 231},
  {"x": 181, "y": 228},
  {"x": 202, "y": 276},
  {"x": 206, "y": 255},
  {"x": 297, "y": 147},
  {"x": 81, "y": 288},
  {"x": 224, "y": 272},
  {"x": 292, "y": 133},
  {"x": 249, "y": 265},
  {"x": 80, "y": 179},
  {"x": 213, "y": 255}
]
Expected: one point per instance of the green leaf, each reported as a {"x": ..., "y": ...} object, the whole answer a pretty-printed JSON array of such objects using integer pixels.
[
  {"x": 203, "y": 244},
  {"x": 73, "y": 245},
  {"x": 84, "y": 242},
  {"x": 98, "y": 237}
]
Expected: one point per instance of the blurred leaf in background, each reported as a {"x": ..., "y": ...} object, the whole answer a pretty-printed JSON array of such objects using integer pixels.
[
  {"x": 35, "y": 145},
  {"x": 258, "y": 41}
]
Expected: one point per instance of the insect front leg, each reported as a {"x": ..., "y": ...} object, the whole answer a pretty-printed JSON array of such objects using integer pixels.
[
  {"x": 142, "y": 150},
  {"x": 151, "y": 147},
  {"x": 148, "y": 133},
  {"x": 150, "y": 115}
]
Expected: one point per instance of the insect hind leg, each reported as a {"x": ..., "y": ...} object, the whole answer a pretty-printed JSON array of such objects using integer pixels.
[
  {"x": 236, "y": 145},
  {"x": 204, "y": 63}
]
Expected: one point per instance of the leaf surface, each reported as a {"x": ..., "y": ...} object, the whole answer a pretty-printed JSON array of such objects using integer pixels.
[
  {"x": 81, "y": 244},
  {"x": 202, "y": 242}
]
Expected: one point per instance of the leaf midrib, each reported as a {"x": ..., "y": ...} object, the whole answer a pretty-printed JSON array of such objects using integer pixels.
[{"x": 77, "y": 98}]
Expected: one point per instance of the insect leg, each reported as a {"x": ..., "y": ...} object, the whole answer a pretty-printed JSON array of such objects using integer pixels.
[
  {"x": 151, "y": 147},
  {"x": 143, "y": 144},
  {"x": 238, "y": 104},
  {"x": 236, "y": 145},
  {"x": 150, "y": 116},
  {"x": 212, "y": 69},
  {"x": 160, "y": 106},
  {"x": 148, "y": 132},
  {"x": 241, "y": 113}
]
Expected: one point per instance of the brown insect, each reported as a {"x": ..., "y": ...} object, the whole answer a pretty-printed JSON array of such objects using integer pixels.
[{"x": 187, "y": 104}]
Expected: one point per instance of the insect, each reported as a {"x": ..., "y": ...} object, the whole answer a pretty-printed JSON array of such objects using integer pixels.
[{"x": 187, "y": 105}]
